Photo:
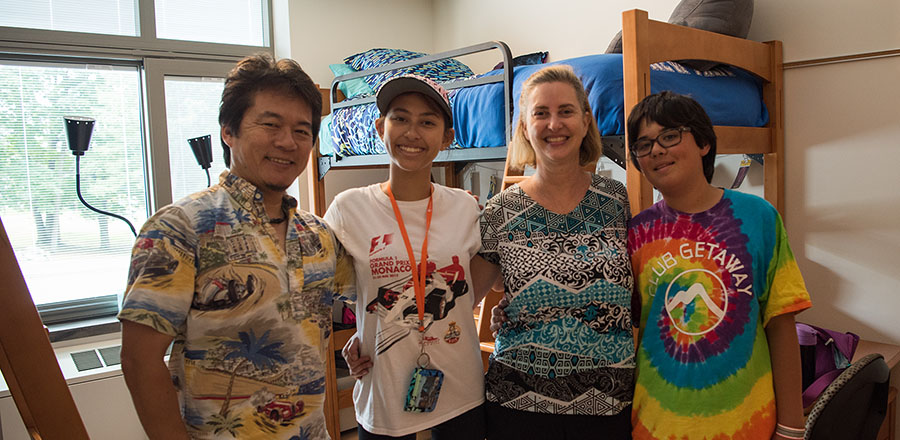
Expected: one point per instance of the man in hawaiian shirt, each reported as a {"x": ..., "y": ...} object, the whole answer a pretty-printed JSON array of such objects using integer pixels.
[{"x": 240, "y": 279}]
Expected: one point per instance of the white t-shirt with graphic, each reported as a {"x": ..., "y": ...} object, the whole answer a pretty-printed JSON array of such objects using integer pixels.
[{"x": 386, "y": 313}]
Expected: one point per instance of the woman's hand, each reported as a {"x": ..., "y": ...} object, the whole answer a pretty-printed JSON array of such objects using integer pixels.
[
  {"x": 498, "y": 316},
  {"x": 359, "y": 365}
]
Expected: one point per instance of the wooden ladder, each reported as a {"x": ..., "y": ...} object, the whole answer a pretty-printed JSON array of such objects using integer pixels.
[
  {"x": 511, "y": 176},
  {"x": 27, "y": 360}
]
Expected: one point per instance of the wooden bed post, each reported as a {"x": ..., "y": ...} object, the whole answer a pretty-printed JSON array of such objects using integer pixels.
[
  {"x": 316, "y": 194},
  {"x": 331, "y": 407},
  {"x": 316, "y": 191},
  {"x": 636, "y": 79},
  {"x": 27, "y": 360},
  {"x": 773, "y": 95}
]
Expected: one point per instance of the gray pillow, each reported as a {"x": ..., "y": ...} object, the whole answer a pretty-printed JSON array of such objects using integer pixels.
[{"x": 729, "y": 17}]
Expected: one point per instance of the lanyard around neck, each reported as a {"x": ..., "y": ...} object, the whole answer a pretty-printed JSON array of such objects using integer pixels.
[{"x": 418, "y": 279}]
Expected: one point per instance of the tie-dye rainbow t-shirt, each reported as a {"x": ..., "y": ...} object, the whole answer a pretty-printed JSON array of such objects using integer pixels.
[{"x": 709, "y": 283}]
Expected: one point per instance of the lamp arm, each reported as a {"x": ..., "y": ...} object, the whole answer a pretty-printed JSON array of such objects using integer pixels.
[
  {"x": 208, "y": 180},
  {"x": 78, "y": 190}
]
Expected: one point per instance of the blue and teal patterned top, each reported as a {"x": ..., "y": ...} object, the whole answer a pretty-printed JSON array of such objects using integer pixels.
[{"x": 567, "y": 347}]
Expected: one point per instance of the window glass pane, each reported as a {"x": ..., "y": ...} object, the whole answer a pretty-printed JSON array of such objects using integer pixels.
[
  {"x": 65, "y": 250},
  {"x": 192, "y": 110},
  {"x": 113, "y": 17},
  {"x": 213, "y": 21}
]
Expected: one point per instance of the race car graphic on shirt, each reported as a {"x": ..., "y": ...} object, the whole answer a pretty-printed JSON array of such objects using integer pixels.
[{"x": 395, "y": 302}]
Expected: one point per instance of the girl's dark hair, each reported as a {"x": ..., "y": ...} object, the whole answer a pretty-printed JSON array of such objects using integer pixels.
[
  {"x": 261, "y": 72},
  {"x": 672, "y": 110}
]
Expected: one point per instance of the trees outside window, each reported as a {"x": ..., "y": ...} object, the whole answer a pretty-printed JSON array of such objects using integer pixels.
[{"x": 150, "y": 82}]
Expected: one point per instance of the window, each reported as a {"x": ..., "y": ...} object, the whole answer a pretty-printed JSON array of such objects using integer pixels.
[
  {"x": 66, "y": 251},
  {"x": 192, "y": 111},
  {"x": 111, "y": 17},
  {"x": 214, "y": 21},
  {"x": 148, "y": 95}
]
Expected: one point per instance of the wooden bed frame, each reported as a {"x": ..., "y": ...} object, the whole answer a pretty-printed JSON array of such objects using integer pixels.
[{"x": 646, "y": 42}]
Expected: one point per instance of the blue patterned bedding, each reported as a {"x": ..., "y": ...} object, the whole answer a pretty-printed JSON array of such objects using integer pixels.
[{"x": 730, "y": 97}]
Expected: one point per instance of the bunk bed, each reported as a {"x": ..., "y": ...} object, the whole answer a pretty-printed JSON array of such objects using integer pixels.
[
  {"x": 645, "y": 43},
  {"x": 485, "y": 106}
]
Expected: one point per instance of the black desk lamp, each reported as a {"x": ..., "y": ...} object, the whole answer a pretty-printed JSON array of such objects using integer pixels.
[
  {"x": 202, "y": 148},
  {"x": 78, "y": 131}
]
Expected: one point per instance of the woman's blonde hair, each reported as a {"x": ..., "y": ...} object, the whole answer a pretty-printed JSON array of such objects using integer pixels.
[{"x": 521, "y": 150}]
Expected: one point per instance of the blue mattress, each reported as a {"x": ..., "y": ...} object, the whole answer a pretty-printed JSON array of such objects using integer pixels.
[{"x": 729, "y": 95}]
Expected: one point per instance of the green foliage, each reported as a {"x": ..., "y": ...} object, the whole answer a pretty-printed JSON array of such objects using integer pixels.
[{"x": 37, "y": 169}]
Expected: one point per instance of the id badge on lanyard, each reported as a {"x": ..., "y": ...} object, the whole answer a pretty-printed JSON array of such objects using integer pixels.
[{"x": 425, "y": 384}]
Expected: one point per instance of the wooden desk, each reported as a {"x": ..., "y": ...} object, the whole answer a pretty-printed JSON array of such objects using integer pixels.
[
  {"x": 891, "y": 355},
  {"x": 890, "y": 352}
]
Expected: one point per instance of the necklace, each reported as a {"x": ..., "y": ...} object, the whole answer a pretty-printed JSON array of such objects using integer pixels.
[{"x": 280, "y": 220}]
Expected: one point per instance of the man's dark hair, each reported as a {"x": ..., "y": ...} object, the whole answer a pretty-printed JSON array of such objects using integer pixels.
[
  {"x": 672, "y": 110},
  {"x": 261, "y": 72}
]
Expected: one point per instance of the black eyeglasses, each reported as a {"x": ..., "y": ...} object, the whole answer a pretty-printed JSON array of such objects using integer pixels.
[{"x": 667, "y": 138}]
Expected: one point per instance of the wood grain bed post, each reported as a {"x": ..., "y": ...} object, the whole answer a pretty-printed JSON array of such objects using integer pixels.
[
  {"x": 316, "y": 192},
  {"x": 636, "y": 79},
  {"x": 27, "y": 360},
  {"x": 331, "y": 408},
  {"x": 773, "y": 95}
]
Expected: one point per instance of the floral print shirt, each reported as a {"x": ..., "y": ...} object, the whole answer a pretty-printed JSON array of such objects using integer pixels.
[{"x": 250, "y": 321}]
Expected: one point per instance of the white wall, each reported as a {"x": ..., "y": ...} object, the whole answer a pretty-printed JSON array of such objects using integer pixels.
[
  {"x": 564, "y": 28},
  {"x": 827, "y": 28}
]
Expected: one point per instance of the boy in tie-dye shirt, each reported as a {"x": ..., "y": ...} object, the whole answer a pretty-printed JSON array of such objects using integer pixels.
[{"x": 718, "y": 289}]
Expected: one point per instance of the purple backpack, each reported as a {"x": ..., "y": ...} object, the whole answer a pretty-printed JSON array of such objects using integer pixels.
[{"x": 824, "y": 355}]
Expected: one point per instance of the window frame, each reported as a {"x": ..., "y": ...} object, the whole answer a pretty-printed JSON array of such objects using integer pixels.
[
  {"x": 146, "y": 44},
  {"x": 156, "y": 58},
  {"x": 155, "y": 72}
]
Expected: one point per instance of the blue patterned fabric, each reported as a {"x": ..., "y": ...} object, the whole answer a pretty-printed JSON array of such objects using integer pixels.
[
  {"x": 567, "y": 347},
  {"x": 440, "y": 71},
  {"x": 352, "y": 131}
]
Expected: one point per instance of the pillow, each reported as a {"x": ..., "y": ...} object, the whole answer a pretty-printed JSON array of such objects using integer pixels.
[
  {"x": 729, "y": 17},
  {"x": 527, "y": 59},
  {"x": 440, "y": 71},
  {"x": 354, "y": 87},
  {"x": 327, "y": 146}
]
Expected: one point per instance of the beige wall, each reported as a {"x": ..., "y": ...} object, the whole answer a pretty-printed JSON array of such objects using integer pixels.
[
  {"x": 566, "y": 29},
  {"x": 842, "y": 131},
  {"x": 842, "y": 128},
  {"x": 827, "y": 28}
]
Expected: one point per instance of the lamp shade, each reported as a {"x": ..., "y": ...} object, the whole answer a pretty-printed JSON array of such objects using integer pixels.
[
  {"x": 202, "y": 148},
  {"x": 78, "y": 131}
]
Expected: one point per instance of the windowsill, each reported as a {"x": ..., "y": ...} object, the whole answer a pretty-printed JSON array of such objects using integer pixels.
[
  {"x": 82, "y": 329},
  {"x": 80, "y": 339}
]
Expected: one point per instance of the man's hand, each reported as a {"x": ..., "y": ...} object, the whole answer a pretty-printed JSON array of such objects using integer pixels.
[
  {"x": 150, "y": 381},
  {"x": 359, "y": 365},
  {"x": 498, "y": 316},
  {"x": 477, "y": 200}
]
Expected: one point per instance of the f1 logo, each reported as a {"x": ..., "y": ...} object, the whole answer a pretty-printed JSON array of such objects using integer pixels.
[{"x": 380, "y": 242}]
